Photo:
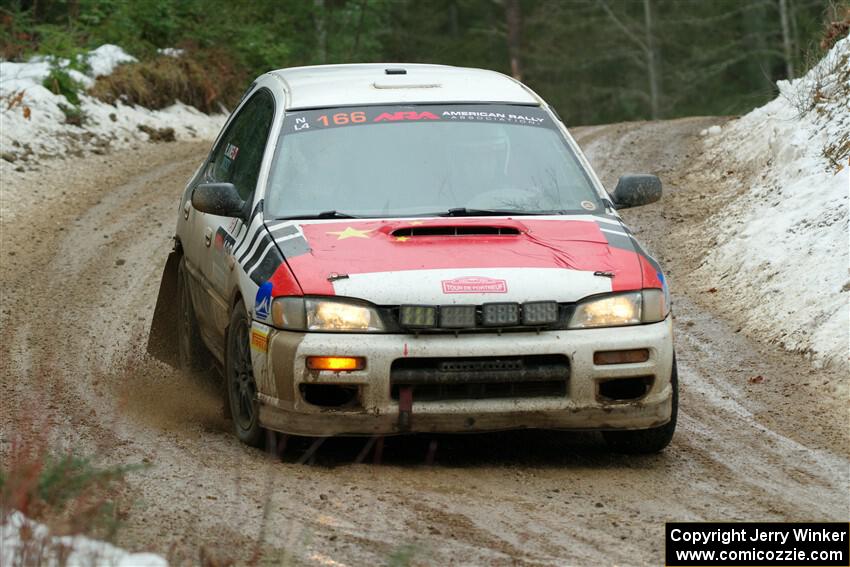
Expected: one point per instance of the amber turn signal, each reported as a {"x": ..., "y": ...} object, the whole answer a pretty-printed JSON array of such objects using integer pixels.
[
  {"x": 621, "y": 356},
  {"x": 336, "y": 363}
]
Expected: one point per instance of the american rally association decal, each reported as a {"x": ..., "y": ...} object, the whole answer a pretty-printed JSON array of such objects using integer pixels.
[
  {"x": 311, "y": 120},
  {"x": 486, "y": 116},
  {"x": 473, "y": 284}
]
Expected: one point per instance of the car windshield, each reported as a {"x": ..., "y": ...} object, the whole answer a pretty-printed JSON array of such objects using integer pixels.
[{"x": 390, "y": 161}]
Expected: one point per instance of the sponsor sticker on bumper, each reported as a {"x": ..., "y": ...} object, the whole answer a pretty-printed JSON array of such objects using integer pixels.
[{"x": 259, "y": 337}]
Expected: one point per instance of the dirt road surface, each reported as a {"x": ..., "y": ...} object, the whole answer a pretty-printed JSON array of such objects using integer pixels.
[{"x": 83, "y": 243}]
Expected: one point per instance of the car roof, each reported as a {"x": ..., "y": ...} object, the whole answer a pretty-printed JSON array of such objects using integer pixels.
[{"x": 322, "y": 86}]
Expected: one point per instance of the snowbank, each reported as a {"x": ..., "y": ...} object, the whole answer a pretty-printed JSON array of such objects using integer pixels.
[
  {"x": 25, "y": 542},
  {"x": 34, "y": 125},
  {"x": 16, "y": 77},
  {"x": 782, "y": 244}
]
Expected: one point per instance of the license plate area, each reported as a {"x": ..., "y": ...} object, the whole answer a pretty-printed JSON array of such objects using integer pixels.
[{"x": 474, "y": 378}]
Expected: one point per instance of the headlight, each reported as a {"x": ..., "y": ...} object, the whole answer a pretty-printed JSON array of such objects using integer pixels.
[
  {"x": 313, "y": 314},
  {"x": 647, "y": 306}
]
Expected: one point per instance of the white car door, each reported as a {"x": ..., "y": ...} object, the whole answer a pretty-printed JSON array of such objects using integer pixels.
[{"x": 236, "y": 159}]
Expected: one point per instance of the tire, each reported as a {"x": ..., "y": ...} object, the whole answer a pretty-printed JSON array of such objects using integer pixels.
[
  {"x": 239, "y": 376},
  {"x": 192, "y": 353},
  {"x": 647, "y": 441}
]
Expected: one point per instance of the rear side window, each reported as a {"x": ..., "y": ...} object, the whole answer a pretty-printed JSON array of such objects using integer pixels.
[{"x": 238, "y": 156}]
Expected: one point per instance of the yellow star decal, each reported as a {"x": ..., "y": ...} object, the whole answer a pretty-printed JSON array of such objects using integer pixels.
[
  {"x": 352, "y": 233},
  {"x": 402, "y": 238}
]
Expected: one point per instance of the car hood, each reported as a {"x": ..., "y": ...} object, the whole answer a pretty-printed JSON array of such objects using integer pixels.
[{"x": 460, "y": 260}]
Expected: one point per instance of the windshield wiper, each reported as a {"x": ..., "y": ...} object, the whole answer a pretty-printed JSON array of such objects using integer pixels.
[
  {"x": 322, "y": 215},
  {"x": 464, "y": 212}
]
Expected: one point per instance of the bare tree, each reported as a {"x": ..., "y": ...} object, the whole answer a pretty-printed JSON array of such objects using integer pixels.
[
  {"x": 454, "y": 25},
  {"x": 514, "y": 21},
  {"x": 321, "y": 32},
  {"x": 786, "y": 38},
  {"x": 362, "y": 15},
  {"x": 649, "y": 52},
  {"x": 652, "y": 60}
]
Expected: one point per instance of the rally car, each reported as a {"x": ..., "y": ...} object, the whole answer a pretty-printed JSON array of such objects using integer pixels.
[{"x": 375, "y": 250}]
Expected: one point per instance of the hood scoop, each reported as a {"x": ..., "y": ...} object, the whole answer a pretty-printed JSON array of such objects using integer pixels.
[{"x": 459, "y": 230}]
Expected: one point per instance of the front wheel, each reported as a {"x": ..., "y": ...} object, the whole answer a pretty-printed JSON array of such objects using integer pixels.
[
  {"x": 241, "y": 386},
  {"x": 645, "y": 441}
]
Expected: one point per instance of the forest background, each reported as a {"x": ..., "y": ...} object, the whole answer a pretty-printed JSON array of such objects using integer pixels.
[{"x": 595, "y": 61}]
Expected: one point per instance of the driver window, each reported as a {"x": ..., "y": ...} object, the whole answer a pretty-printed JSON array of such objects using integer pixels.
[{"x": 238, "y": 156}]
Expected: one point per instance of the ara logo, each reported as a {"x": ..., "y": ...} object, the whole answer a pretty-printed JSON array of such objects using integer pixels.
[
  {"x": 263, "y": 303},
  {"x": 410, "y": 115}
]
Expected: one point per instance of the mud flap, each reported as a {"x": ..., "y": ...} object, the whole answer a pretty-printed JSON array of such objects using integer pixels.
[{"x": 162, "y": 340}]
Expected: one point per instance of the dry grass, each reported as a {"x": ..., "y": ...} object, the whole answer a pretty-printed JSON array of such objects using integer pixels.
[
  {"x": 837, "y": 150},
  {"x": 828, "y": 71},
  {"x": 836, "y": 29},
  {"x": 204, "y": 80},
  {"x": 820, "y": 84},
  {"x": 68, "y": 494},
  {"x": 824, "y": 90}
]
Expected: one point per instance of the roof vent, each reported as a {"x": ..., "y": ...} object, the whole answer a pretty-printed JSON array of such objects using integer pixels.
[
  {"x": 381, "y": 86},
  {"x": 395, "y": 71}
]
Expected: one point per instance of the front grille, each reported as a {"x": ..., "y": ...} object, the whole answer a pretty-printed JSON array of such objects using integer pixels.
[
  {"x": 391, "y": 316},
  {"x": 435, "y": 379}
]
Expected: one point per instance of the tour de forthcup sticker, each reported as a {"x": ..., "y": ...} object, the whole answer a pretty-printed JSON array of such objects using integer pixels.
[
  {"x": 475, "y": 284},
  {"x": 587, "y": 205}
]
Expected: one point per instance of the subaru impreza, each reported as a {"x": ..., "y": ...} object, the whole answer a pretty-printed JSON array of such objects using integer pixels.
[{"x": 377, "y": 250}]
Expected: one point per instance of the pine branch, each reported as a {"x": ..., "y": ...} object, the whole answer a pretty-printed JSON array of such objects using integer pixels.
[{"x": 621, "y": 25}]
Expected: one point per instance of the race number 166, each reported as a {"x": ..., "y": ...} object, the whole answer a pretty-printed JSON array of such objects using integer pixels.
[{"x": 341, "y": 118}]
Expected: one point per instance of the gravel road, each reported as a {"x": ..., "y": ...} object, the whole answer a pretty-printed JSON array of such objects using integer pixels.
[{"x": 83, "y": 244}]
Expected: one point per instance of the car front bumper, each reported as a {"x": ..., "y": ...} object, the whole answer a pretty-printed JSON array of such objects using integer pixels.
[{"x": 280, "y": 369}]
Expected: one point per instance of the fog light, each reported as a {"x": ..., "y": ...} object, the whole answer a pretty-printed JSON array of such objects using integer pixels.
[
  {"x": 336, "y": 363},
  {"x": 457, "y": 316},
  {"x": 620, "y": 356},
  {"x": 418, "y": 316},
  {"x": 539, "y": 313},
  {"x": 501, "y": 314}
]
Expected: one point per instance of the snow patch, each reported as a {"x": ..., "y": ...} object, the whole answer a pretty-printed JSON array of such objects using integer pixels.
[
  {"x": 34, "y": 125},
  {"x": 782, "y": 243},
  {"x": 103, "y": 60},
  {"x": 171, "y": 51},
  {"x": 24, "y": 541}
]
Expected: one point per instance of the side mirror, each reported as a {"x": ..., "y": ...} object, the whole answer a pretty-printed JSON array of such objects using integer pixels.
[
  {"x": 635, "y": 190},
  {"x": 221, "y": 199}
]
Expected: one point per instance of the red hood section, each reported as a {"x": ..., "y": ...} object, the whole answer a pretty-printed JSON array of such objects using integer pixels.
[{"x": 356, "y": 247}]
